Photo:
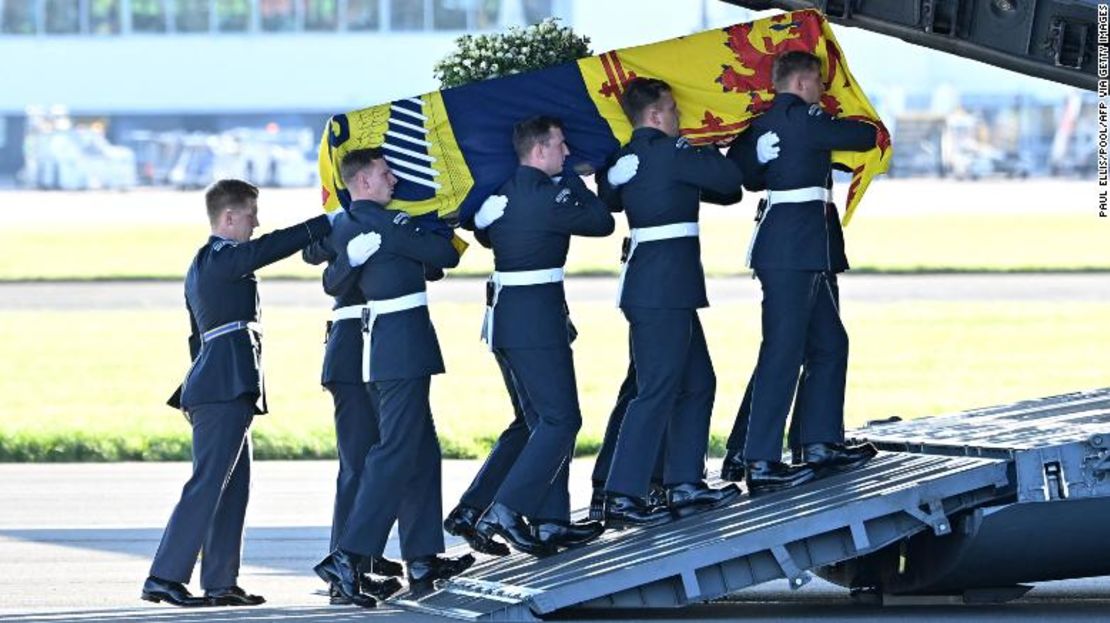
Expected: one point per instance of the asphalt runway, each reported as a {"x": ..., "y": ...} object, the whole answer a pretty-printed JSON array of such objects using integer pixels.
[
  {"x": 863, "y": 288},
  {"x": 76, "y": 541}
]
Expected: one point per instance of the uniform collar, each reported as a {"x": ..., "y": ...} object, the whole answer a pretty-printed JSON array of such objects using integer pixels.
[
  {"x": 787, "y": 99},
  {"x": 531, "y": 173},
  {"x": 648, "y": 132},
  {"x": 364, "y": 206}
]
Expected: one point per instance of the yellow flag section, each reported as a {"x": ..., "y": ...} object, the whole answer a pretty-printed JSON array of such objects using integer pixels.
[
  {"x": 416, "y": 137},
  {"x": 722, "y": 80}
]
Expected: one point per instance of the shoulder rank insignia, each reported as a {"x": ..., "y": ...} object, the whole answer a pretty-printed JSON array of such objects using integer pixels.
[
  {"x": 563, "y": 195},
  {"x": 815, "y": 110},
  {"x": 219, "y": 244},
  {"x": 682, "y": 143},
  {"x": 401, "y": 218}
]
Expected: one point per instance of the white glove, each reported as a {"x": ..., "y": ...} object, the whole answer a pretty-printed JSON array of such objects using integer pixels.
[
  {"x": 491, "y": 210},
  {"x": 623, "y": 170},
  {"x": 362, "y": 246},
  {"x": 767, "y": 147}
]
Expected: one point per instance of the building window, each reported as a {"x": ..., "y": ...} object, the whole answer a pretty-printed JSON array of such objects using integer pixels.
[
  {"x": 17, "y": 17},
  {"x": 536, "y": 10},
  {"x": 104, "y": 17},
  {"x": 233, "y": 15},
  {"x": 321, "y": 14},
  {"x": 406, "y": 14},
  {"x": 363, "y": 15},
  {"x": 277, "y": 15},
  {"x": 485, "y": 14},
  {"x": 450, "y": 14},
  {"x": 63, "y": 17},
  {"x": 148, "y": 16},
  {"x": 191, "y": 15}
]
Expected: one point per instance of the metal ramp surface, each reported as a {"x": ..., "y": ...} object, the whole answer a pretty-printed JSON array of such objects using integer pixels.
[
  {"x": 1000, "y": 431},
  {"x": 1054, "y": 526},
  {"x": 712, "y": 554}
]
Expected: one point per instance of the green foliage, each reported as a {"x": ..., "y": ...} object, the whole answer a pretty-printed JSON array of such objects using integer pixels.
[{"x": 480, "y": 57}]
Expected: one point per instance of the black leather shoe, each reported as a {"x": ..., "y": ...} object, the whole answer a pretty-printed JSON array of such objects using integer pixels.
[
  {"x": 157, "y": 590},
  {"x": 555, "y": 534},
  {"x": 687, "y": 498},
  {"x": 732, "y": 468},
  {"x": 837, "y": 457},
  {"x": 341, "y": 571},
  {"x": 597, "y": 504},
  {"x": 379, "y": 589},
  {"x": 657, "y": 496},
  {"x": 500, "y": 520},
  {"x": 380, "y": 565},
  {"x": 625, "y": 511},
  {"x": 232, "y": 596},
  {"x": 461, "y": 522},
  {"x": 424, "y": 571},
  {"x": 336, "y": 598},
  {"x": 768, "y": 476}
]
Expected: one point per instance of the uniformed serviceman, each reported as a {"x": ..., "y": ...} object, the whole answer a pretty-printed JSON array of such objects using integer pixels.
[
  {"x": 616, "y": 175},
  {"x": 221, "y": 394},
  {"x": 733, "y": 465},
  {"x": 401, "y": 477},
  {"x": 463, "y": 519},
  {"x": 662, "y": 285},
  {"x": 356, "y": 405},
  {"x": 797, "y": 249},
  {"x": 527, "y": 323}
]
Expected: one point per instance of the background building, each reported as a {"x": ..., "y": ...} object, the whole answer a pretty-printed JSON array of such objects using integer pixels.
[{"x": 130, "y": 69}]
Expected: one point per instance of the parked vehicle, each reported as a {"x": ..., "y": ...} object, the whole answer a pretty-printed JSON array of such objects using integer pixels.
[{"x": 78, "y": 159}]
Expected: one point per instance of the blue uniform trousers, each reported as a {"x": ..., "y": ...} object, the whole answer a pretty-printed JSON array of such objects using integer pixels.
[
  {"x": 675, "y": 386},
  {"x": 356, "y": 431},
  {"x": 802, "y": 331},
  {"x": 505, "y": 451},
  {"x": 604, "y": 459},
  {"x": 401, "y": 477},
  {"x": 536, "y": 484},
  {"x": 739, "y": 433},
  {"x": 213, "y": 503}
]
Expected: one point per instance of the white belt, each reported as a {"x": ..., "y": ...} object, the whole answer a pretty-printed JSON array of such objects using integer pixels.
[
  {"x": 230, "y": 327},
  {"x": 799, "y": 195},
  {"x": 503, "y": 279},
  {"x": 652, "y": 234},
  {"x": 348, "y": 312},
  {"x": 370, "y": 314},
  {"x": 796, "y": 195}
]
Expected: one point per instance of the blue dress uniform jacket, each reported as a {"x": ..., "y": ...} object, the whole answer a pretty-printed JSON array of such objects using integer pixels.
[
  {"x": 356, "y": 404},
  {"x": 534, "y": 234},
  {"x": 403, "y": 345},
  {"x": 670, "y": 194},
  {"x": 532, "y": 334},
  {"x": 799, "y": 236},
  {"x": 343, "y": 349},
  {"x": 220, "y": 287},
  {"x": 221, "y": 394}
]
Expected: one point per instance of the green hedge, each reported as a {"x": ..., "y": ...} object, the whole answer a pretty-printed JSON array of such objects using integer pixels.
[{"x": 29, "y": 447}]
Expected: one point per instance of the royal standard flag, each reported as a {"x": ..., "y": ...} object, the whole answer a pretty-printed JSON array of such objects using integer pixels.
[{"x": 453, "y": 148}]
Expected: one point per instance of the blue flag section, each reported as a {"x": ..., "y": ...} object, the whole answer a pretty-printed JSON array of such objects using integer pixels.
[{"x": 483, "y": 114}]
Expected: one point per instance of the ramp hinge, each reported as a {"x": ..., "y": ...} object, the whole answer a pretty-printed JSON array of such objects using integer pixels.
[
  {"x": 790, "y": 570},
  {"x": 1100, "y": 460},
  {"x": 932, "y": 515},
  {"x": 1054, "y": 481}
]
